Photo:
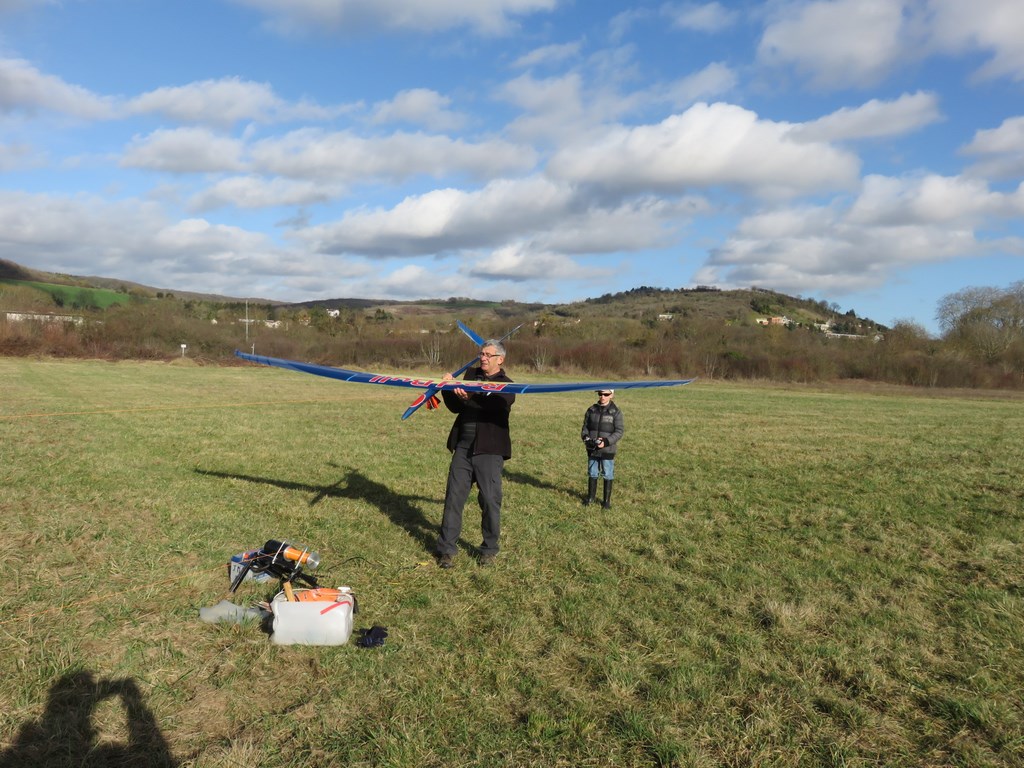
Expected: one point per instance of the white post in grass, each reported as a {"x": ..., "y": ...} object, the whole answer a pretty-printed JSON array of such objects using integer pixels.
[{"x": 183, "y": 349}]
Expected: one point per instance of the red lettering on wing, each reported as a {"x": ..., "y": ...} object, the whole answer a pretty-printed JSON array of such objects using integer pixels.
[{"x": 406, "y": 379}]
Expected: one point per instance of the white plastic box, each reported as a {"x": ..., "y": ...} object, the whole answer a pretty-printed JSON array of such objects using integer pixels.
[
  {"x": 237, "y": 563},
  {"x": 313, "y": 619}
]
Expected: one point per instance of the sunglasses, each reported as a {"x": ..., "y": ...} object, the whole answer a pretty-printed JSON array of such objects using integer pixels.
[{"x": 604, "y": 394}]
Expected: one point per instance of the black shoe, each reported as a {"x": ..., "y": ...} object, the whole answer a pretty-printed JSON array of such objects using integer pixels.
[
  {"x": 486, "y": 560},
  {"x": 446, "y": 561}
]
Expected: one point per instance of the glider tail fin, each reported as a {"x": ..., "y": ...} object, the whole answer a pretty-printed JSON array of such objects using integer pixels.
[{"x": 428, "y": 399}]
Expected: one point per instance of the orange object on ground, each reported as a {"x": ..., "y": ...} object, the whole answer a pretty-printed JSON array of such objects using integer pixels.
[{"x": 320, "y": 594}]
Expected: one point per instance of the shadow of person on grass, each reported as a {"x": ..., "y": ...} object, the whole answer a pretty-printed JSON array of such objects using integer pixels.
[
  {"x": 65, "y": 735},
  {"x": 522, "y": 479},
  {"x": 401, "y": 510}
]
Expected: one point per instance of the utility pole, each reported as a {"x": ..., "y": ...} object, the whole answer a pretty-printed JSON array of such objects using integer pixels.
[{"x": 247, "y": 321}]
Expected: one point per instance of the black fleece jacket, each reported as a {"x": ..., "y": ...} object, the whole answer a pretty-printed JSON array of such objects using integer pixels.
[{"x": 488, "y": 411}]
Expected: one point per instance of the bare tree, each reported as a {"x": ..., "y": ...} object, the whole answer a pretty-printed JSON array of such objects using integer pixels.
[
  {"x": 986, "y": 321},
  {"x": 433, "y": 349}
]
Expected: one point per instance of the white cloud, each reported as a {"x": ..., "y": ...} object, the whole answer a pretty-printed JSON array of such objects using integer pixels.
[
  {"x": 348, "y": 158},
  {"x": 925, "y": 200},
  {"x": 552, "y": 107},
  {"x": 258, "y": 192},
  {"x": 707, "y": 146},
  {"x": 992, "y": 26},
  {"x": 534, "y": 216},
  {"x": 873, "y": 119},
  {"x": 706, "y": 17},
  {"x": 519, "y": 262},
  {"x": 714, "y": 80},
  {"x": 894, "y": 224},
  {"x": 445, "y": 220},
  {"x": 211, "y": 101},
  {"x": 71, "y": 231},
  {"x": 836, "y": 43},
  {"x": 184, "y": 150},
  {"x": 16, "y": 156},
  {"x": 419, "y": 106},
  {"x": 1001, "y": 150},
  {"x": 857, "y": 43},
  {"x": 218, "y": 245},
  {"x": 411, "y": 281},
  {"x": 225, "y": 102},
  {"x": 136, "y": 241},
  {"x": 1008, "y": 138},
  {"x": 620, "y": 24},
  {"x": 23, "y": 88},
  {"x": 587, "y": 227},
  {"x": 327, "y": 278},
  {"x": 547, "y": 55},
  {"x": 348, "y": 17},
  {"x": 86, "y": 234},
  {"x": 566, "y": 109}
]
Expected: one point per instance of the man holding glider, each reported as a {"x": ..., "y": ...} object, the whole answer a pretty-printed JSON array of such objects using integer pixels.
[{"x": 480, "y": 443}]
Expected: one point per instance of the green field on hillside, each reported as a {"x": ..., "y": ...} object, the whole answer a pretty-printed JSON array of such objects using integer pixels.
[
  {"x": 73, "y": 296},
  {"x": 788, "y": 577}
]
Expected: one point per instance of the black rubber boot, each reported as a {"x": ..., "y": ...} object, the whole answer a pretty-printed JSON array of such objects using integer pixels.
[
  {"x": 607, "y": 503},
  {"x": 591, "y": 491}
]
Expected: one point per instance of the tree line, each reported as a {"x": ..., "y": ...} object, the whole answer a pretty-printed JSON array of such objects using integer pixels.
[{"x": 981, "y": 344}]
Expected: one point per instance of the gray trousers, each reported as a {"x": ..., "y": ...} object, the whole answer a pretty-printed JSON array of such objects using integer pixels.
[{"x": 464, "y": 470}]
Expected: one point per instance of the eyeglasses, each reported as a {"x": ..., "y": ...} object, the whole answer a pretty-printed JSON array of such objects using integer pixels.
[
  {"x": 604, "y": 394},
  {"x": 485, "y": 355}
]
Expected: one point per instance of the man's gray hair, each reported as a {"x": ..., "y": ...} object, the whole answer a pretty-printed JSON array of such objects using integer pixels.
[{"x": 498, "y": 346}]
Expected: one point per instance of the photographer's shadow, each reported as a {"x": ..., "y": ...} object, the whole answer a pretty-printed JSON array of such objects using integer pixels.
[{"x": 65, "y": 735}]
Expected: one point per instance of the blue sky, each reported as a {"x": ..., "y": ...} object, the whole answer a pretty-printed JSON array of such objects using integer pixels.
[{"x": 867, "y": 153}]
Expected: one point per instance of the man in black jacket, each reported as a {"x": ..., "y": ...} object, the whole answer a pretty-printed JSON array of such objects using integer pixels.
[{"x": 480, "y": 443}]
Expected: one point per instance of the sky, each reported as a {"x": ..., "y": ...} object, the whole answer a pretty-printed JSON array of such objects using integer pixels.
[{"x": 864, "y": 153}]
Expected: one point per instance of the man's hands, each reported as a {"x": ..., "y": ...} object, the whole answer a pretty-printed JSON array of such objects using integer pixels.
[{"x": 459, "y": 391}]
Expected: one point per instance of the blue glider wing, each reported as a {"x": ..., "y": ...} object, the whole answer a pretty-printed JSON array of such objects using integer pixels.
[{"x": 433, "y": 385}]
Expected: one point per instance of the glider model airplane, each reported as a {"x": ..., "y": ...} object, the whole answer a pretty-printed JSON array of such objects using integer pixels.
[{"x": 431, "y": 387}]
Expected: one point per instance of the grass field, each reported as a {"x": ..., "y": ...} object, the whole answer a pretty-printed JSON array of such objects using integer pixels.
[
  {"x": 789, "y": 577},
  {"x": 75, "y": 296}
]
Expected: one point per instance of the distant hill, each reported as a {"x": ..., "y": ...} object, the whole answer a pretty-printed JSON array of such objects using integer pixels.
[
  {"x": 645, "y": 303},
  {"x": 11, "y": 271}
]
